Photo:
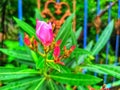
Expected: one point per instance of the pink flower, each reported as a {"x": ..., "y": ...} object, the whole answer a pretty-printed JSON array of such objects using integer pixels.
[{"x": 44, "y": 32}]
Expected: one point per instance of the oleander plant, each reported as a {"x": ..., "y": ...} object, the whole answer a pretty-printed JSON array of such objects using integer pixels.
[{"x": 54, "y": 61}]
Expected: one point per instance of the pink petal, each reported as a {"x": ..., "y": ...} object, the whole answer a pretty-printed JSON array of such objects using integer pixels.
[{"x": 44, "y": 32}]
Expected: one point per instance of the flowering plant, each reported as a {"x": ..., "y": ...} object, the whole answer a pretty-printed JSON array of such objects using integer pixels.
[{"x": 51, "y": 59}]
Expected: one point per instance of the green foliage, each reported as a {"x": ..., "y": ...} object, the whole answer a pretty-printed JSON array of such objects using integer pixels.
[
  {"x": 78, "y": 79},
  {"x": 38, "y": 60},
  {"x": 65, "y": 30},
  {"x": 102, "y": 41},
  {"x": 44, "y": 73},
  {"x": 108, "y": 69},
  {"x": 21, "y": 83},
  {"x": 18, "y": 54},
  {"x": 16, "y": 74},
  {"x": 26, "y": 27}
]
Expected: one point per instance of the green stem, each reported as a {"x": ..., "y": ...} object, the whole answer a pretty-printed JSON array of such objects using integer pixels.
[
  {"x": 49, "y": 60},
  {"x": 45, "y": 65},
  {"x": 43, "y": 55}
]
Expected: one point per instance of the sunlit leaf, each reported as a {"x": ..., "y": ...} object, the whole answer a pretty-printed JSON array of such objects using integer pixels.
[
  {"x": 39, "y": 84},
  {"x": 104, "y": 37},
  {"x": 38, "y": 60},
  {"x": 18, "y": 54},
  {"x": 25, "y": 27},
  {"x": 64, "y": 31},
  {"x": 75, "y": 79},
  {"x": 108, "y": 69},
  {"x": 11, "y": 74},
  {"x": 20, "y": 83}
]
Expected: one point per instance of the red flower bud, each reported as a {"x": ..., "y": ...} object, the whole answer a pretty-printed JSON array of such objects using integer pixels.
[
  {"x": 72, "y": 48},
  {"x": 58, "y": 42},
  {"x": 56, "y": 52},
  {"x": 27, "y": 40}
]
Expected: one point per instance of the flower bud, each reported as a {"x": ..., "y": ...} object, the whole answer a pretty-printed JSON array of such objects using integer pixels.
[
  {"x": 27, "y": 40},
  {"x": 44, "y": 32},
  {"x": 56, "y": 52}
]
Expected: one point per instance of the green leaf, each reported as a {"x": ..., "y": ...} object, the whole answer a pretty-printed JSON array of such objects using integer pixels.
[
  {"x": 65, "y": 37},
  {"x": 75, "y": 79},
  {"x": 38, "y": 15},
  {"x": 28, "y": 63},
  {"x": 104, "y": 37},
  {"x": 39, "y": 84},
  {"x": 58, "y": 67},
  {"x": 81, "y": 58},
  {"x": 78, "y": 32},
  {"x": 54, "y": 66},
  {"x": 38, "y": 60},
  {"x": 80, "y": 51},
  {"x": 64, "y": 69},
  {"x": 18, "y": 54},
  {"x": 73, "y": 37},
  {"x": 6, "y": 69},
  {"x": 92, "y": 69},
  {"x": 111, "y": 67},
  {"x": 89, "y": 46},
  {"x": 64, "y": 31},
  {"x": 25, "y": 27},
  {"x": 20, "y": 83},
  {"x": 9, "y": 44},
  {"x": 110, "y": 70},
  {"x": 34, "y": 56},
  {"x": 51, "y": 85},
  {"x": 8, "y": 75}
]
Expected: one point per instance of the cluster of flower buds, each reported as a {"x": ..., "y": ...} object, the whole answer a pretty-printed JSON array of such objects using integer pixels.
[
  {"x": 58, "y": 58},
  {"x": 44, "y": 32},
  {"x": 30, "y": 42}
]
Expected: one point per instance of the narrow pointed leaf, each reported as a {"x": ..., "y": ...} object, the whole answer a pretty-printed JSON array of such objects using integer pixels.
[
  {"x": 52, "y": 85},
  {"x": 73, "y": 37},
  {"x": 80, "y": 51},
  {"x": 104, "y": 37},
  {"x": 113, "y": 71},
  {"x": 81, "y": 58},
  {"x": 75, "y": 79},
  {"x": 65, "y": 30},
  {"x": 26, "y": 27},
  {"x": 18, "y": 54},
  {"x": 64, "y": 27},
  {"x": 78, "y": 32},
  {"x": 38, "y": 15},
  {"x": 54, "y": 66},
  {"x": 8, "y": 75},
  {"x": 20, "y": 83},
  {"x": 38, "y": 60},
  {"x": 39, "y": 84}
]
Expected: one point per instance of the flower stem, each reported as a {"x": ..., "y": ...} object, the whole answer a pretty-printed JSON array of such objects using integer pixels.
[
  {"x": 43, "y": 55},
  {"x": 49, "y": 60}
]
